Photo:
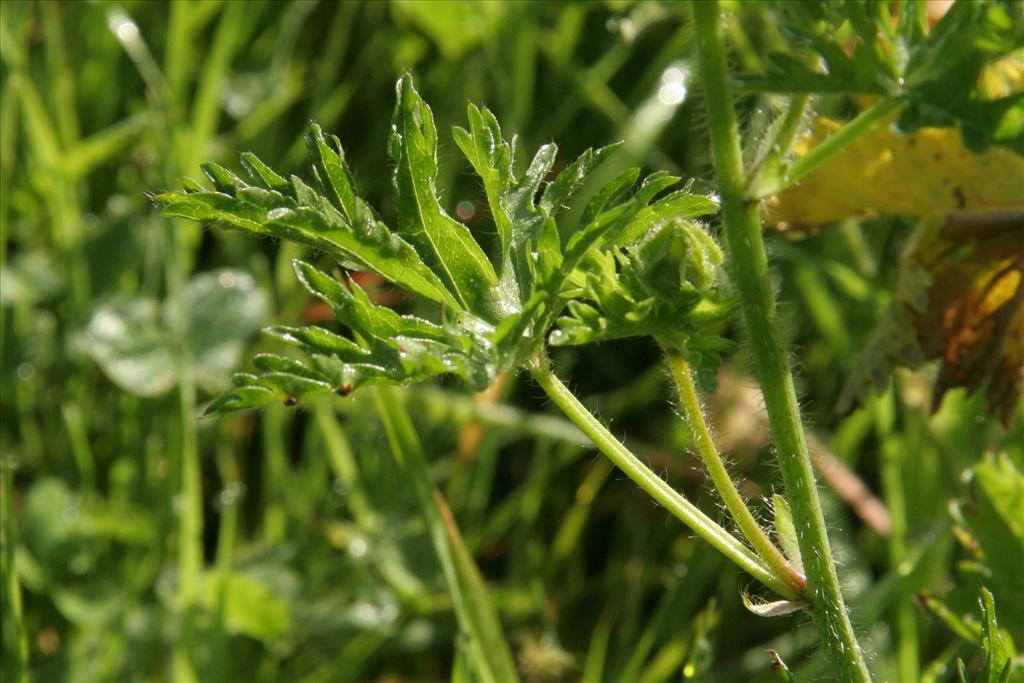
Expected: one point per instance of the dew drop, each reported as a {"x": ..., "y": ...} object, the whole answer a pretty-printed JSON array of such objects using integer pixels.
[
  {"x": 358, "y": 547},
  {"x": 231, "y": 494},
  {"x": 70, "y": 513},
  {"x": 465, "y": 210},
  {"x": 25, "y": 371}
]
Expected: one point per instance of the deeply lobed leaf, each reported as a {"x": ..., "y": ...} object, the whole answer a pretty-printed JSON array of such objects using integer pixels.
[
  {"x": 494, "y": 319},
  {"x": 292, "y": 210},
  {"x": 492, "y": 159},
  {"x": 446, "y": 245},
  {"x": 387, "y": 348},
  {"x": 886, "y": 49}
]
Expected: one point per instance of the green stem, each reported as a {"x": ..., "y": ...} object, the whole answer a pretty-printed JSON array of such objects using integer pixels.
[
  {"x": 189, "y": 506},
  {"x": 828, "y": 148},
  {"x": 216, "y": 63},
  {"x": 343, "y": 463},
  {"x": 750, "y": 272},
  {"x": 11, "y": 586},
  {"x": 893, "y": 449},
  {"x": 734, "y": 503},
  {"x": 781, "y": 139},
  {"x": 78, "y": 437},
  {"x": 230, "y": 499},
  {"x": 656, "y": 487},
  {"x": 190, "y": 526},
  {"x": 190, "y": 510},
  {"x": 275, "y": 512}
]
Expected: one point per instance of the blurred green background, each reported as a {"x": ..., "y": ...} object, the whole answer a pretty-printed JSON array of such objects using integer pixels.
[{"x": 306, "y": 558}]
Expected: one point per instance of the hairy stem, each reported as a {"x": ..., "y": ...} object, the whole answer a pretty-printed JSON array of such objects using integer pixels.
[
  {"x": 656, "y": 487},
  {"x": 734, "y": 503},
  {"x": 750, "y": 271}
]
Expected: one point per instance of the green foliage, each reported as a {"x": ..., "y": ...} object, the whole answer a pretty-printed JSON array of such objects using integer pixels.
[
  {"x": 250, "y": 606},
  {"x": 991, "y": 527},
  {"x": 446, "y": 246},
  {"x": 493, "y": 319},
  {"x": 871, "y": 67},
  {"x": 338, "y": 224},
  {"x": 998, "y": 666},
  {"x": 944, "y": 75},
  {"x": 487, "y": 652},
  {"x": 313, "y": 561},
  {"x": 885, "y": 49}
]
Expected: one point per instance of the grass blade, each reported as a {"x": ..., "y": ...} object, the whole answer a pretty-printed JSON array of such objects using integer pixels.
[{"x": 487, "y": 646}]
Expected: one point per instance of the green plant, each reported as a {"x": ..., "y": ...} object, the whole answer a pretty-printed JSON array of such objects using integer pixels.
[
  {"x": 743, "y": 232},
  {"x": 633, "y": 264},
  {"x": 321, "y": 543}
]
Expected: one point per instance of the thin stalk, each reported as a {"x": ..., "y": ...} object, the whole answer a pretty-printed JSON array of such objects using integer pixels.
[
  {"x": 828, "y": 148},
  {"x": 656, "y": 487},
  {"x": 229, "y": 499},
  {"x": 750, "y": 272},
  {"x": 892, "y": 452},
  {"x": 343, "y": 463},
  {"x": 790, "y": 126},
  {"x": 189, "y": 505},
  {"x": 275, "y": 513},
  {"x": 571, "y": 529},
  {"x": 190, "y": 515},
  {"x": 205, "y": 106},
  {"x": 190, "y": 510},
  {"x": 78, "y": 438},
  {"x": 734, "y": 503},
  {"x": 11, "y": 586},
  {"x": 781, "y": 139}
]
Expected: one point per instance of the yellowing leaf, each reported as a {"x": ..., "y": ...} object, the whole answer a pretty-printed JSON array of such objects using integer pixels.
[
  {"x": 883, "y": 172},
  {"x": 974, "y": 318},
  {"x": 960, "y": 300}
]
